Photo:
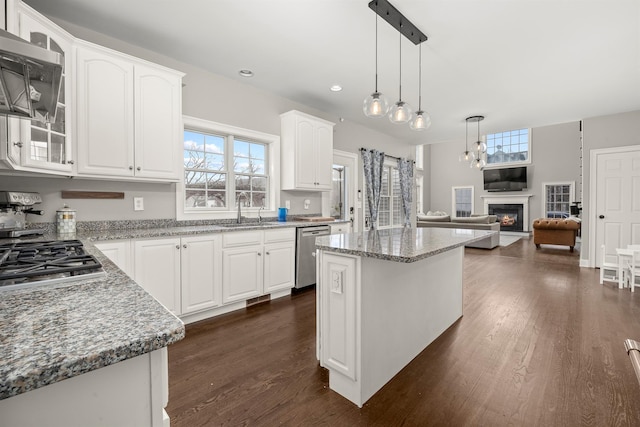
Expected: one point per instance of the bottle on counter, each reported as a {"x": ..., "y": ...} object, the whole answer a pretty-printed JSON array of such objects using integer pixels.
[{"x": 66, "y": 222}]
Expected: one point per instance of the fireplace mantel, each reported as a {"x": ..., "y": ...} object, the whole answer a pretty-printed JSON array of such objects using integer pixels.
[{"x": 509, "y": 199}]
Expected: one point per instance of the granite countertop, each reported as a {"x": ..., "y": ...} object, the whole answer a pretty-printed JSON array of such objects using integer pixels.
[
  {"x": 400, "y": 244},
  {"x": 50, "y": 333},
  {"x": 140, "y": 233}
]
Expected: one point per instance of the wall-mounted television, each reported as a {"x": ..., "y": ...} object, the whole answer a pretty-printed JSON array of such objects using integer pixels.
[{"x": 506, "y": 179}]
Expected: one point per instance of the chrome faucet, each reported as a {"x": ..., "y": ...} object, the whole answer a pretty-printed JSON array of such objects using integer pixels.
[
  {"x": 260, "y": 216},
  {"x": 240, "y": 195}
]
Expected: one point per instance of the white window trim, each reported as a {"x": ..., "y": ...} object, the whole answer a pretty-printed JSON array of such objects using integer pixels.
[
  {"x": 572, "y": 193},
  {"x": 511, "y": 164},
  {"x": 453, "y": 198},
  {"x": 273, "y": 147}
]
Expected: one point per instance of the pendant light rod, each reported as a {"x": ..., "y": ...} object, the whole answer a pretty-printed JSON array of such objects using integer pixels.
[
  {"x": 400, "y": 80},
  {"x": 397, "y": 20},
  {"x": 376, "y": 9},
  {"x": 420, "y": 78}
]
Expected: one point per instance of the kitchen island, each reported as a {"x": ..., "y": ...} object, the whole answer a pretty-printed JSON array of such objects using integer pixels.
[{"x": 383, "y": 297}]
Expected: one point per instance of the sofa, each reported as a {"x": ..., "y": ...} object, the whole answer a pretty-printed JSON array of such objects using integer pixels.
[
  {"x": 550, "y": 231},
  {"x": 474, "y": 222}
]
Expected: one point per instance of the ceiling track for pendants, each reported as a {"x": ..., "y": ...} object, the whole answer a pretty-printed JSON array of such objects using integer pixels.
[{"x": 397, "y": 20}]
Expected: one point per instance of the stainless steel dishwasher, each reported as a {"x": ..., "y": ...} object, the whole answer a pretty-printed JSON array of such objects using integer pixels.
[{"x": 305, "y": 253}]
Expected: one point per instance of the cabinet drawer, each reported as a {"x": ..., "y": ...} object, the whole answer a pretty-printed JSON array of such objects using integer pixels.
[
  {"x": 279, "y": 235},
  {"x": 240, "y": 238}
]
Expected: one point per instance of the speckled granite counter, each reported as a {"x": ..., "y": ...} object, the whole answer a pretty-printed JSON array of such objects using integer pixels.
[
  {"x": 400, "y": 244},
  {"x": 54, "y": 332}
]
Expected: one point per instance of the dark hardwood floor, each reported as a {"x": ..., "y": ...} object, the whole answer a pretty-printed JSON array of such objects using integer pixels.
[{"x": 540, "y": 344}]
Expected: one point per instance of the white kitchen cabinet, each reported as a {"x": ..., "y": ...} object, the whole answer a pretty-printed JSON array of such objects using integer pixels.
[
  {"x": 157, "y": 269},
  {"x": 118, "y": 251},
  {"x": 306, "y": 152},
  {"x": 33, "y": 145},
  {"x": 257, "y": 263},
  {"x": 344, "y": 227},
  {"x": 201, "y": 275},
  {"x": 129, "y": 116}
]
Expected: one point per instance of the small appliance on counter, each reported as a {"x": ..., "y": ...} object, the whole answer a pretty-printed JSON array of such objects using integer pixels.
[{"x": 14, "y": 207}]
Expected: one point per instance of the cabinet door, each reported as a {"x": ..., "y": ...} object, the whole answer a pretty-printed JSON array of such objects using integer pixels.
[
  {"x": 157, "y": 270},
  {"x": 120, "y": 253},
  {"x": 323, "y": 156},
  {"x": 305, "y": 154},
  {"x": 279, "y": 266},
  {"x": 241, "y": 273},
  {"x": 157, "y": 117},
  {"x": 201, "y": 273},
  {"x": 105, "y": 112},
  {"x": 45, "y": 146}
]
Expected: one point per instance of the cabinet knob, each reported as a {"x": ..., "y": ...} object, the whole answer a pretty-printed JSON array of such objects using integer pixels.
[
  {"x": 268, "y": 253},
  {"x": 259, "y": 254},
  {"x": 18, "y": 144},
  {"x": 184, "y": 246},
  {"x": 70, "y": 162},
  {"x": 139, "y": 168},
  {"x": 130, "y": 168},
  {"x": 177, "y": 246}
]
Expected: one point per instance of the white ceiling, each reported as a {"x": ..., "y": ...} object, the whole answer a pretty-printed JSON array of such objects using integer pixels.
[{"x": 520, "y": 63}]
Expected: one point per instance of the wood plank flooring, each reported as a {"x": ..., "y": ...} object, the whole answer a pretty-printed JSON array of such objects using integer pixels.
[{"x": 540, "y": 344}]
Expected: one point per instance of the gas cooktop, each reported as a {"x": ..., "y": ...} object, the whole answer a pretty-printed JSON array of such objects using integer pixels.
[{"x": 25, "y": 264}]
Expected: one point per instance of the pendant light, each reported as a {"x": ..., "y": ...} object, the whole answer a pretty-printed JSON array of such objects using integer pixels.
[
  {"x": 467, "y": 156},
  {"x": 376, "y": 104},
  {"x": 421, "y": 120},
  {"x": 481, "y": 147},
  {"x": 401, "y": 112}
]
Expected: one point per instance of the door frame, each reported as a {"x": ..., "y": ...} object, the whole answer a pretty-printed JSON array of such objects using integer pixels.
[
  {"x": 593, "y": 197},
  {"x": 353, "y": 188}
]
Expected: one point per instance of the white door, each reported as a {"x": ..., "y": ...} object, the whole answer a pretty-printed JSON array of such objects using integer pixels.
[
  {"x": 279, "y": 267},
  {"x": 201, "y": 273},
  {"x": 341, "y": 202},
  {"x": 157, "y": 270},
  {"x": 241, "y": 273},
  {"x": 617, "y": 201}
]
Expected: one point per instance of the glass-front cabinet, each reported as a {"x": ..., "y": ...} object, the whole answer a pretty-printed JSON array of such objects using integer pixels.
[{"x": 34, "y": 145}]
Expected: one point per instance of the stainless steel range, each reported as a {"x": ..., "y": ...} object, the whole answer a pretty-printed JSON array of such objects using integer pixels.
[{"x": 25, "y": 264}]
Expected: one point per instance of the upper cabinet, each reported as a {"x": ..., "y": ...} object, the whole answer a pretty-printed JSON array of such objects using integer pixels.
[
  {"x": 129, "y": 116},
  {"x": 306, "y": 151},
  {"x": 33, "y": 145}
]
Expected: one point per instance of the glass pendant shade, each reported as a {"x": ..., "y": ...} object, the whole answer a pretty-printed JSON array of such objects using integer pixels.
[
  {"x": 467, "y": 156},
  {"x": 481, "y": 147},
  {"x": 421, "y": 121},
  {"x": 400, "y": 113},
  {"x": 375, "y": 105},
  {"x": 479, "y": 163}
]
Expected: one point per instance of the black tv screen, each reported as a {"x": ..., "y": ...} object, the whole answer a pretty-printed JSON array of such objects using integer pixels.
[{"x": 507, "y": 179}]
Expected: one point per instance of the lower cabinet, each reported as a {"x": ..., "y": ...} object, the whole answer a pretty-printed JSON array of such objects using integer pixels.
[
  {"x": 198, "y": 273},
  {"x": 157, "y": 269},
  {"x": 255, "y": 263}
]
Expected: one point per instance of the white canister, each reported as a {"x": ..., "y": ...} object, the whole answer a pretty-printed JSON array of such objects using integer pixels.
[{"x": 66, "y": 220}]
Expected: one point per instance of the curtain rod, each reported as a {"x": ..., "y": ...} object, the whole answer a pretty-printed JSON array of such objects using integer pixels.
[{"x": 387, "y": 155}]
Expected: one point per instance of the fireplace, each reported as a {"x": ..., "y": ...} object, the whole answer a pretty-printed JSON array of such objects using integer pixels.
[
  {"x": 510, "y": 216},
  {"x": 517, "y": 225}
]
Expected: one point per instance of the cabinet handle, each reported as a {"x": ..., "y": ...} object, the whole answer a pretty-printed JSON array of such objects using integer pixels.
[
  {"x": 177, "y": 246},
  {"x": 130, "y": 168},
  {"x": 18, "y": 144},
  {"x": 184, "y": 246},
  {"x": 138, "y": 168}
]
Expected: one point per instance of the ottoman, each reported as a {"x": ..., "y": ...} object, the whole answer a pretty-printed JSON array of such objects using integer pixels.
[{"x": 551, "y": 231}]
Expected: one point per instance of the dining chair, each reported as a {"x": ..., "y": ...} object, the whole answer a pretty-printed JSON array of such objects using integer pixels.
[
  {"x": 632, "y": 270},
  {"x": 608, "y": 270}
]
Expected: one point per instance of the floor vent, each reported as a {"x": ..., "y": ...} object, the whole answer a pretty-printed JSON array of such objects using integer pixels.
[{"x": 258, "y": 300}]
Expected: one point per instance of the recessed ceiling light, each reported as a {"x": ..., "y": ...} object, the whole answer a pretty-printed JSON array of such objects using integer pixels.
[
  {"x": 246, "y": 73},
  {"x": 336, "y": 88}
]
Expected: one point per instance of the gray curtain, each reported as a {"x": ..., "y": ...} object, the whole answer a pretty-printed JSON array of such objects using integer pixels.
[
  {"x": 405, "y": 170},
  {"x": 372, "y": 163}
]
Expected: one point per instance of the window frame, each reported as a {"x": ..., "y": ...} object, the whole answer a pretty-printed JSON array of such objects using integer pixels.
[
  {"x": 454, "y": 204},
  {"x": 229, "y": 132},
  {"x": 572, "y": 194},
  {"x": 391, "y": 165},
  {"x": 508, "y": 164}
]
